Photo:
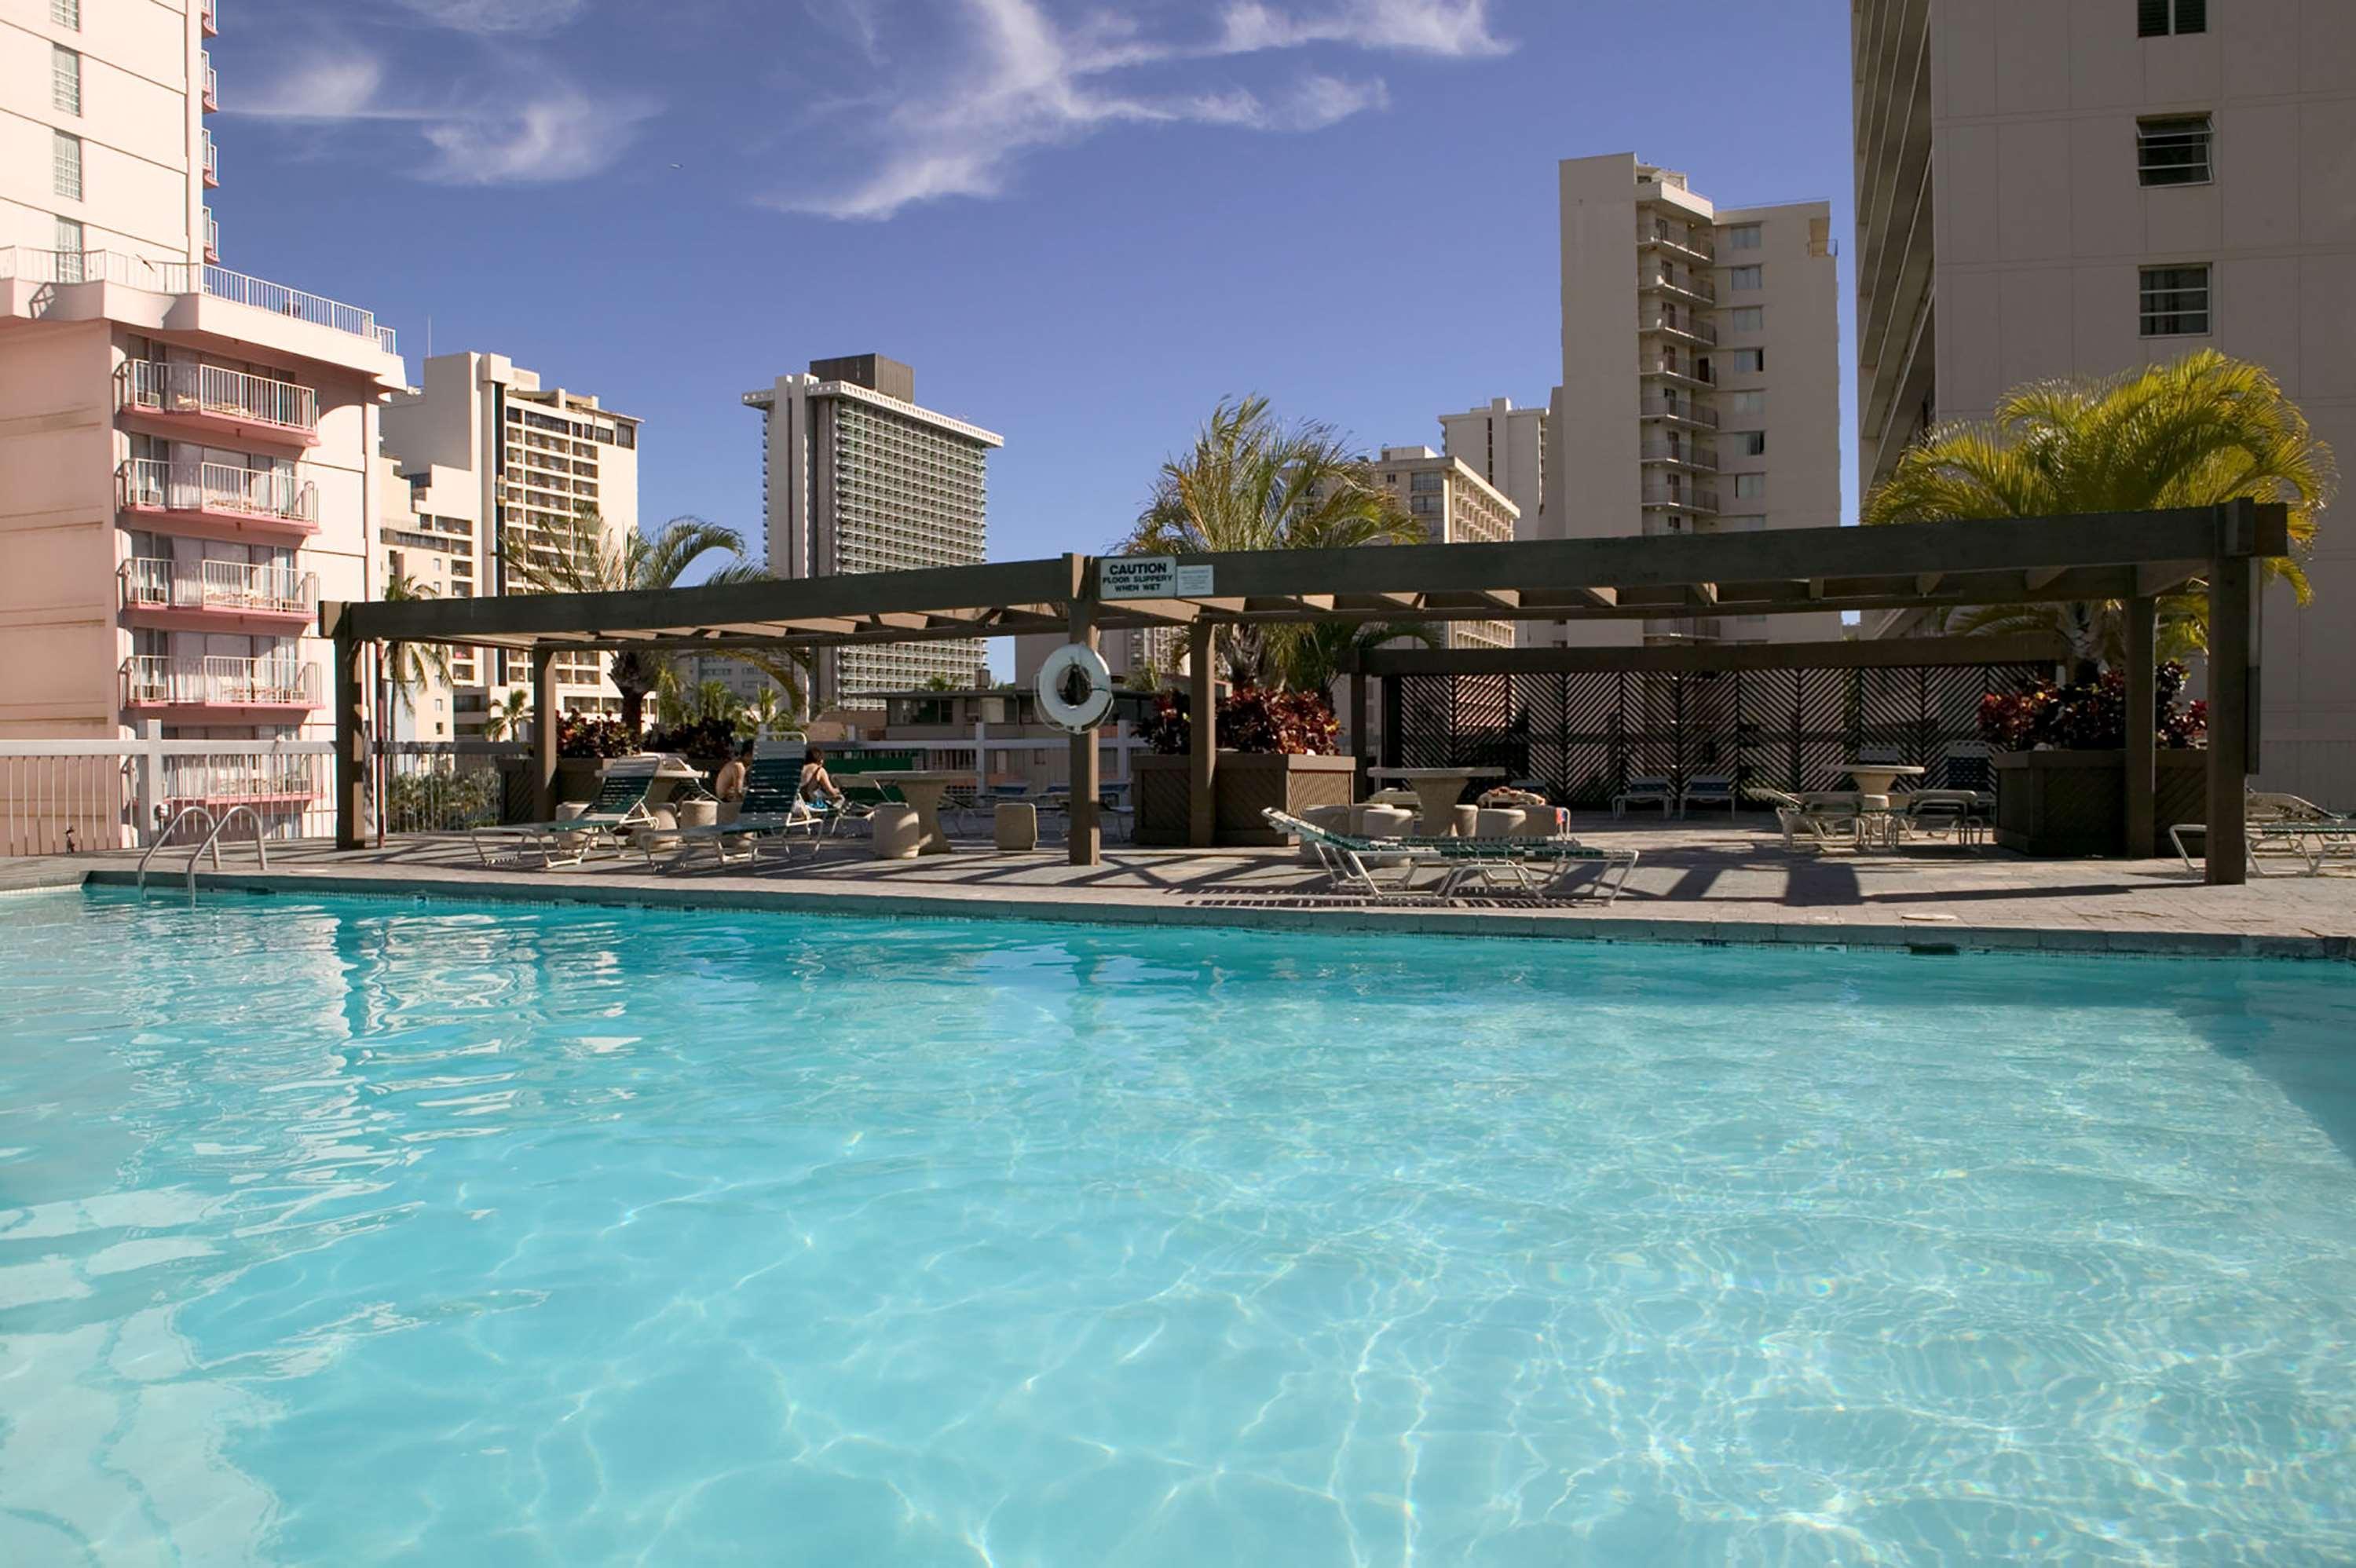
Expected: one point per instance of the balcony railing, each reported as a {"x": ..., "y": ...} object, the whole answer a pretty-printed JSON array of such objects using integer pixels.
[
  {"x": 182, "y": 388},
  {"x": 1685, "y": 322},
  {"x": 1683, "y": 452},
  {"x": 1682, "y": 282},
  {"x": 34, "y": 266},
  {"x": 212, "y": 83},
  {"x": 1658, "y": 407},
  {"x": 212, "y": 236},
  {"x": 235, "y": 587},
  {"x": 273, "y": 494},
  {"x": 1670, "y": 364},
  {"x": 1692, "y": 497},
  {"x": 208, "y": 13},
  {"x": 212, "y": 160},
  {"x": 219, "y": 681},
  {"x": 1680, "y": 237}
]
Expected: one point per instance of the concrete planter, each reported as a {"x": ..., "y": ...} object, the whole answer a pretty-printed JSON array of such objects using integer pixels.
[
  {"x": 2064, "y": 803},
  {"x": 1244, "y": 785}
]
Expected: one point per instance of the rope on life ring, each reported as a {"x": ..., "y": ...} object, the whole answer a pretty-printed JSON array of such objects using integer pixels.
[{"x": 1074, "y": 689}]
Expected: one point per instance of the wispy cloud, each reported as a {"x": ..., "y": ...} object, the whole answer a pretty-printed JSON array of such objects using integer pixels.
[
  {"x": 565, "y": 136},
  {"x": 516, "y": 16},
  {"x": 1025, "y": 82}
]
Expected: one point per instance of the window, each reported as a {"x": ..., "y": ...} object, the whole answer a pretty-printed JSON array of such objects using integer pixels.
[
  {"x": 65, "y": 14},
  {"x": 1424, "y": 481},
  {"x": 1749, "y": 442},
  {"x": 2175, "y": 302},
  {"x": 1746, "y": 277},
  {"x": 1750, "y": 318},
  {"x": 2173, "y": 151},
  {"x": 1745, "y": 361},
  {"x": 69, "y": 250},
  {"x": 65, "y": 79},
  {"x": 1742, "y": 237},
  {"x": 65, "y": 166},
  {"x": 2158, "y": 18},
  {"x": 1749, "y": 487},
  {"x": 1746, "y": 402}
]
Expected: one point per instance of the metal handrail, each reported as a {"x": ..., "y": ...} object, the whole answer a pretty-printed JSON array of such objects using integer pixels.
[
  {"x": 165, "y": 836},
  {"x": 213, "y": 842}
]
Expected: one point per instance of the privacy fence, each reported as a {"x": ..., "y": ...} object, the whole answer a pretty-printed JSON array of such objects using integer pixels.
[{"x": 1582, "y": 733}]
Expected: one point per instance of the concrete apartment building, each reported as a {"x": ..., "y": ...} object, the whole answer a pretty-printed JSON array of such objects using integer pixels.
[
  {"x": 2079, "y": 189},
  {"x": 1700, "y": 380},
  {"x": 1455, "y": 505},
  {"x": 1506, "y": 447},
  {"x": 855, "y": 476},
  {"x": 498, "y": 468},
  {"x": 185, "y": 452}
]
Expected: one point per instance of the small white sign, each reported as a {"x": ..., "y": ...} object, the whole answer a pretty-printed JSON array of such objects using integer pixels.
[{"x": 1149, "y": 577}]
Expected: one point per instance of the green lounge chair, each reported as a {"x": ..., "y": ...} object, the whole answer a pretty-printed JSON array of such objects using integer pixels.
[
  {"x": 773, "y": 807},
  {"x": 1351, "y": 861},
  {"x": 621, "y": 804}
]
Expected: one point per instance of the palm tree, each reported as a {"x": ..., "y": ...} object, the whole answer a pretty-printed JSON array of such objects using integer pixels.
[
  {"x": 508, "y": 718},
  {"x": 1311, "y": 656},
  {"x": 584, "y": 560},
  {"x": 408, "y": 665},
  {"x": 1252, "y": 482},
  {"x": 2198, "y": 431},
  {"x": 767, "y": 714}
]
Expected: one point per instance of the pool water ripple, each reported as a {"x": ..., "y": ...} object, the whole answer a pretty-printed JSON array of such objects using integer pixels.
[{"x": 362, "y": 1231}]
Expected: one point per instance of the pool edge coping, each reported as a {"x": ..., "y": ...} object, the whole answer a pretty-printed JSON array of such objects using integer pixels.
[{"x": 1583, "y": 923}]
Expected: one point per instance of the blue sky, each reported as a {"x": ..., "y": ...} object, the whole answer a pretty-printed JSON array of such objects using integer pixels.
[{"x": 1081, "y": 223}]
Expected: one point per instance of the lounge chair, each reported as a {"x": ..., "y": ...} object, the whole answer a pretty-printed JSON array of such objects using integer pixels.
[
  {"x": 620, "y": 805},
  {"x": 1645, "y": 789},
  {"x": 1936, "y": 813},
  {"x": 1352, "y": 860},
  {"x": 1710, "y": 789},
  {"x": 2280, "y": 826},
  {"x": 1824, "y": 823},
  {"x": 772, "y": 808}
]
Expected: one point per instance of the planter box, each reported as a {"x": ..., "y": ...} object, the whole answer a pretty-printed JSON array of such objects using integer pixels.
[
  {"x": 2075, "y": 803},
  {"x": 1244, "y": 784}
]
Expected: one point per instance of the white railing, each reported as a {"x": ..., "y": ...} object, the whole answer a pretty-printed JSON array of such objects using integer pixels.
[
  {"x": 1669, "y": 364},
  {"x": 233, "y": 585},
  {"x": 1683, "y": 283},
  {"x": 1690, "y": 456},
  {"x": 1687, "y": 323},
  {"x": 1680, "y": 409},
  {"x": 184, "y": 387},
  {"x": 37, "y": 266},
  {"x": 208, "y": 15},
  {"x": 59, "y": 796},
  {"x": 1690, "y": 497},
  {"x": 213, "y": 82},
  {"x": 212, "y": 159},
  {"x": 221, "y": 681},
  {"x": 212, "y": 236},
  {"x": 272, "y": 492}
]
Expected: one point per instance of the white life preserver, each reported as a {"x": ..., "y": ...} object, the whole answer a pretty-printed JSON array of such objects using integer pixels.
[{"x": 1074, "y": 689}]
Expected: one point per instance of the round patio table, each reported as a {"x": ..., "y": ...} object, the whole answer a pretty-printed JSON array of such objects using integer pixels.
[
  {"x": 924, "y": 791},
  {"x": 1874, "y": 778},
  {"x": 1436, "y": 790}
]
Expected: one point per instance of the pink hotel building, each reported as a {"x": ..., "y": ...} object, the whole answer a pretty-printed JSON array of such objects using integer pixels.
[{"x": 186, "y": 453}]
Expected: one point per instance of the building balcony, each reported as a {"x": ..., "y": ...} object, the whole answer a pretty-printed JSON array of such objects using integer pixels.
[
  {"x": 212, "y": 236},
  {"x": 236, "y": 690},
  {"x": 1699, "y": 629},
  {"x": 208, "y": 15},
  {"x": 219, "y": 780},
  {"x": 1680, "y": 368},
  {"x": 1677, "y": 411},
  {"x": 22, "y": 263},
  {"x": 212, "y": 83},
  {"x": 212, "y": 162},
  {"x": 212, "y": 400},
  {"x": 1685, "y": 325},
  {"x": 1669, "y": 280},
  {"x": 218, "y": 500},
  {"x": 1681, "y": 454},
  {"x": 218, "y": 595},
  {"x": 1678, "y": 237},
  {"x": 1669, "y": 493}
]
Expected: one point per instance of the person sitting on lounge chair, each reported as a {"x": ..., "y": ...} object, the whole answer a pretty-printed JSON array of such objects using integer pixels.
[
  {"x": 818, "y": 785},
  {"x": 728, "y": 784}
]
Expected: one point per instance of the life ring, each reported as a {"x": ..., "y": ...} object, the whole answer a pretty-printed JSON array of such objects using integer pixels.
[{"x": 1074, "y": 689}]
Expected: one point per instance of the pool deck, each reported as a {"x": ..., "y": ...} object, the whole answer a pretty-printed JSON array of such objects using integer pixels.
[{"x": 1696, "y": 882}]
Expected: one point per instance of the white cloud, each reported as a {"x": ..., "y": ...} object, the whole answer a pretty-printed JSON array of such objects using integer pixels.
[
  {"x": 565, "y": 136},
  {"x": 1029, "y": 83},
  {"x": 526, "y": 16},
  {"x": 1452, "y": 28}
]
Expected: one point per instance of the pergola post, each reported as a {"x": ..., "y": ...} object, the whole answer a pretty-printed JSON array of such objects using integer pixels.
[
  {"x": 351, "y": 729},
  {"x": 1202, "y": 738},
  {"x": 2143, "y": 725},
  {"x": 544, "y": 733},
  {"x": 2229, "y": 694},
  {"x": 1359, "y": 753},
  {"x": 1088, "y": 834}
]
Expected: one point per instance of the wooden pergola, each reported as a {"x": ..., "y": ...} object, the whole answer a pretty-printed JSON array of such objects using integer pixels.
[{"x": 2134, "y": 557}]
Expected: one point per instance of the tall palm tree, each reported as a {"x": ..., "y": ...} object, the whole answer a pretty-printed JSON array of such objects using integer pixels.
[
  {"x": 584, "y": 559},
  {"x": 509, "y": 717},
  {"x": 409, "y": 665},
  {"x": 2198, "y": 432},
  {"x": 1311, "y": 656},
  {"x": 1252, "y": 482},
  {"x": 767, "y": 714}
]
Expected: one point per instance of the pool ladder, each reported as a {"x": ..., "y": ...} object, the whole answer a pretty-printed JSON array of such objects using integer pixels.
[{"x": 211, "y": 840}]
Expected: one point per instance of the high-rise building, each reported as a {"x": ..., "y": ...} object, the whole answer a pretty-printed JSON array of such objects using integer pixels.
[
  {"x": 186, "y": 453},
  {"x": 2080, "y": 190},
  {"x": 1700, "y": 380},
  {"x": 1505, "y": 446},
  {"x": 500, "y": 470},
  {"x": 856, "y": 477},
  {"x": 1455, "y": 505}
]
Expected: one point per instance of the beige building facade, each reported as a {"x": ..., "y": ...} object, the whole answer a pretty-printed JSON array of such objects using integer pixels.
[
  {"x": 1700, "y": 380},
  {"x": 498, "y": 469},
  {"x": 2080, "y": 188},
  {"x": 1506, "y": 446},
  {"x": 186, "y": 453},
  {"x": 857, "y": 477},
  {"x": 1455, "y": 505}
]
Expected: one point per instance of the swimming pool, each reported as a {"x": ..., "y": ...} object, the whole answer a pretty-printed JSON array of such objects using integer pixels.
[{"x": 362, "y": 1231}]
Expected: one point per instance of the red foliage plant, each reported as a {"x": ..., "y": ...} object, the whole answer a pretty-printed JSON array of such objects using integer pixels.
[
  {"x": 1252, "y": 719},
  {"x": 2091, "y": 716}
]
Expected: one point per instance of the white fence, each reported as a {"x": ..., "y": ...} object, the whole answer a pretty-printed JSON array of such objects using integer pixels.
[
  {"x": 59, "y": 796},
  {"x": 68, "y": 267},
  {"x": 274, "y": 493},
  {"x": 236, "y": 586},
  {"x": 180, "y": 387}
]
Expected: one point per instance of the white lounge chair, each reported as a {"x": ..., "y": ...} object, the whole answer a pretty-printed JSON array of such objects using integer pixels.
[
  {"x": 2282, "y": 826},
  {"x": 1824, "y": 823},
  {"x": 1645, "y": 789},
  {"x": 620, "y": 805},
  {"x": 1351, "y": 862}
]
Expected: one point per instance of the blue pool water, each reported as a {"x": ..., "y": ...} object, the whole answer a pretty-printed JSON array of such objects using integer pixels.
[{"x": 369, "y": 1231}]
